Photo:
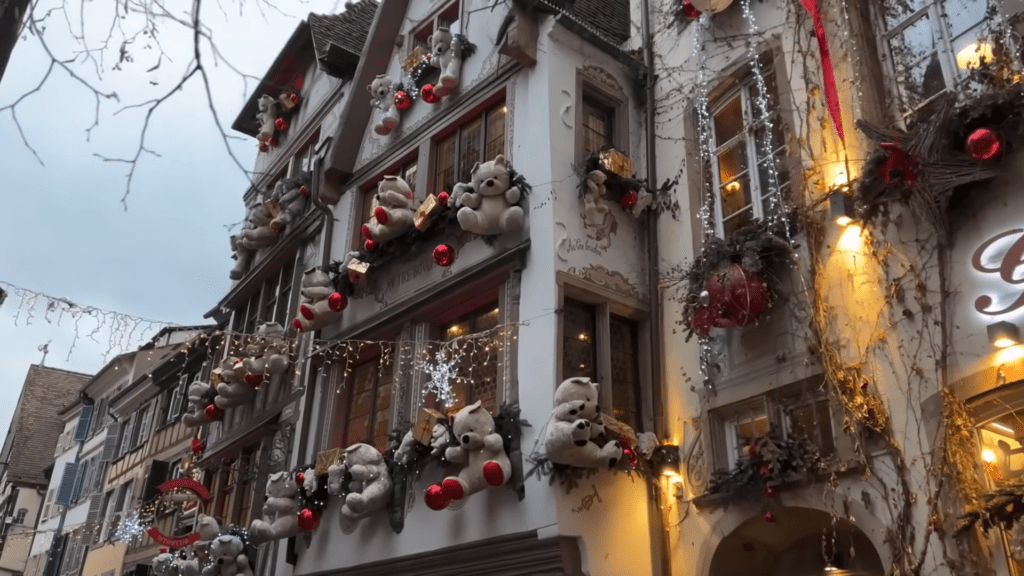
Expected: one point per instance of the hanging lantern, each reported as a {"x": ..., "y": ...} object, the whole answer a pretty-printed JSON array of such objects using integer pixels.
[
  {"x": 428, "y": 95},
  {"x": 690, "y": 11},
  {"x": 281, "y": 124},
  {"x": 402, "y": 100},
  {"x": 711, "y": 6},
  {"x": 308, "y": 520},
  {"x": 212, "y": 412},
  {"x": 444, "y": 255},
  {"x": 984, "y": 144}
]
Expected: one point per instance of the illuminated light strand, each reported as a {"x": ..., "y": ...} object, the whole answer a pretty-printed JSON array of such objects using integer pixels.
[
  {"x": 442, "y": 372},
  {"x": 704, "y": 128}
]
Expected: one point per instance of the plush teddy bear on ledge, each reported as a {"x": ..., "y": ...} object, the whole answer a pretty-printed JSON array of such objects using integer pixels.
[
  {"x": 200, "y": 395},
  {"x": 482, "y": 453},
  {"x": 227, "y": 554},
  {"x": 267, "y": 353},
  {"x": 232, "y": 389},
  {"x": 383, "y": 92},
  {"x": 369, "y": 484},
  {"x": 280, "y": 512},
  {"x": 490, "y": 206},
  {"x": 446, "y": 54},
  {"x": 321, "y": 304},
  {"x": 393, "y": 215},
  {"x": 574, "y": 425}
]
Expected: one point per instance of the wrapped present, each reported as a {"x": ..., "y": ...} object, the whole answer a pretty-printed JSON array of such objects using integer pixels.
[
  {"x": 423, "y": 430},
  {"x": 357, "y": 270},
  {"x": 615, "y": 429},
  {"x": 429, "y": 207},
  {"x": 614, "y": 161},
  {"x": 273, "y": 207},
  {"x": 325, "y": 459},
  {"x": 215, "y": 376},
  {"x": 286, "y": 101}
]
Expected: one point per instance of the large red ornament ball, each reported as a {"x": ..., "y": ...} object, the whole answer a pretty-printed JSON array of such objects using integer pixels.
[
  {"x": 765, "y": 470},
  {"x": 402, "y": 100},
  {"x": 435, "y": 498},
  {"x": 690, "y": 11},
  {"x": 769, "y": 517},
  {"x": 370, "y": 245},
  {"x": 308, "y": 520},
  {"x": 264, "y": 147},
  {"x": 281, "y": 124},
  {"x": 300, "y": 479},
  {"x": 984, "y": 144},
  {"x": 428, "y": 95},
  {"x": 337, "y": 301},
  {"x": 254, "y": 380},
  {"x": 769, "y": 492},
  {"x": 272, "y": 141},
  {"x": 444, "y": 255},
  {"x": 197, "y": 446},
  {"x": 443, "y": 198},
  {"x": 703, "y": 320},
  {"x": 629, "y": 200},
  {"x": 212, "y": 412},
  {"x": 736, "y": 297},
  {"x": 295, "y": 98}
]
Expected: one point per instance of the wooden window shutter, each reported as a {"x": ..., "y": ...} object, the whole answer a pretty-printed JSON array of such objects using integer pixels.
[
  {"x": 84, "y": 420},
  {"x": 67, "y": 484},
  {"x": 92, "y": 519},
  {"x": 110, "y": 444}
]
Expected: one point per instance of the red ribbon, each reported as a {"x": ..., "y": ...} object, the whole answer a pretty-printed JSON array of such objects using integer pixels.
[{"x": 828, "y": 75}]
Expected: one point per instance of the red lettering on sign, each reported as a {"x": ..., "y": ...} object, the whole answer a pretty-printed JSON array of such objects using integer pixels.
[{"x": 1011, "y": 261}]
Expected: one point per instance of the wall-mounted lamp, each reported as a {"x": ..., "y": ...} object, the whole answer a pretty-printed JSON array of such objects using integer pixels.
[
  {"x": 840, "y": 208},
  {"x": 1003, "y": 334},
  {"x": 666, "y": 460}
]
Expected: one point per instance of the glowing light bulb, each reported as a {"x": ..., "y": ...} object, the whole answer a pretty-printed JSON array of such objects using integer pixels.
[
  {"x": 974, "y": 55},
  {"x": 988, "y": 455}
]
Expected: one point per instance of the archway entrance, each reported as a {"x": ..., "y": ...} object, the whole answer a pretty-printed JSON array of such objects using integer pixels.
[{"x": 792, "y": 546}]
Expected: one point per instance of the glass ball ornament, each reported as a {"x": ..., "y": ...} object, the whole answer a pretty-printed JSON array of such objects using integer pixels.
[
  {"x": 428, "y": 95},
  {"x": 444, "y": 255},
  {"x": 984, "y": 144},
  {"x": 402, "y": 100}
]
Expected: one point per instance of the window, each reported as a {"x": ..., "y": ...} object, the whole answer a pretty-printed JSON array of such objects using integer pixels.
[
  {"x": 741, "y": 163},
  {"x": 233, "y": 483},
  {"x": 598, "y": 123},
  {"x": 477, "y": 371},
  {"x": 479, "y": 139},
  {"x": 604, "y": 346},
  {"x": 447, "y": 17},
  {"x": 121, "y": 505},
  {"x": 931, "y": 44},
  {"x": 363, "y": 400},
  {"x": 174, "y": 397},
  {"x": 797, "y": 410},
  {"x": 19, "y": 518},
  {"x": 48, "y": 506},
  {"x": 271, "y": 303}
]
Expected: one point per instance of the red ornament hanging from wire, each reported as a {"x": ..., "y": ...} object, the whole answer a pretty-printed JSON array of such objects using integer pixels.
[
  {"x": 402, "y": 100},
  {"x": 281, "y": 124},
  {"x": 984, "y": 144},
  {"x": 308, "y": 520},
  {"x": 212, "y": 412},
  {"x": 444, "y": 255},
  {"x": 428, "y": 95}
]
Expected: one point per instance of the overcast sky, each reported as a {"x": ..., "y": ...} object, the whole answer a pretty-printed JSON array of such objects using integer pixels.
[{"x": 66, "y": 232}]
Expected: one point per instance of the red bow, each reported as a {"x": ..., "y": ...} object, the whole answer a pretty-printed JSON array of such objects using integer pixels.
[{"x": 900, "y": 165}]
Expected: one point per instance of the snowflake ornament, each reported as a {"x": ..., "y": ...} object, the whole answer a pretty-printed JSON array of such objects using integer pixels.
[{"x": 442, "y": 373}]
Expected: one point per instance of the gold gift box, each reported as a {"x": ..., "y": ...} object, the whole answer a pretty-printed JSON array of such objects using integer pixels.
[
  {"x": 614, "y": 161},
  {"x": 325, "y": 460},
  {"x": 357, "y": 270},
  {"x": 423, "y": 430},
  {"x": 429, "y": 207},
  {"x": 285, "y": 101},
  {"x": 273, "y": 207}
]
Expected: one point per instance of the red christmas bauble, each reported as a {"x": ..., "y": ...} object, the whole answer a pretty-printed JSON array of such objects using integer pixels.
[
  {"x": 428, "y": 95},
  {"x": 272, "y": 141},
  {"x": 295, "y": 98},
  {"x": 308, "y": 520},
  {"x": 769, "y": 492},
  {"x": 264, "y": 147},
  {"x": 442, "y": 199},
  {"x": 281, "y": 124},
  {"x": 703, "y": 320},
  {"x": 737, "y": 297},
  {"x": 690, "y": 11},
  {"x": 769, "y": 517},
  {"x": 254, "y": 380},
  {"x": 444, "y": 255},
  {"x": 631, "y": 455},
  {"x": 197, "y": 445},
  {"x": 337, "y": 301},
  {"x": 276, "y": 227},
  {"x": 765, "y": 470},
  {"x": 297, "y": 324},
  {"x": 629, "y": 200},
  {"x": 402, "y": 100},
  {"x": 984, "y": 144},
  {"x": 298, "y": 83},
  {"x": 752, "y": 451},
  {"x": 212, "y": 412},
  {"x": 435, "y": 498},
  {"x": 370, "y": 245},
  {"x": 303, "y": 191},
  {"x": 300, "y": 479}
]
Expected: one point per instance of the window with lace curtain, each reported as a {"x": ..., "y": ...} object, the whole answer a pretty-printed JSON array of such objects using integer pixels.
[
  {"x": 480, "y": 138},
  {"x": 477, "y": 365},
  {"x": 362, "y": 398}
]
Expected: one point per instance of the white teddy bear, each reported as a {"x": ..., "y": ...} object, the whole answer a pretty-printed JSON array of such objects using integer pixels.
[
  {"x": 257, "y": 233},
  {"x": 171, "y": 564},
  {"x": 369, "y": 486},
  {"x": 267, "y": 353},
  {"x": 393, "y": 215},
  {"x": 200, "y": 395},
  {"x": 241, "y": 255},
  {"x": 482, "y": 453},
  {"x": 227, "y": 554},
  {"x": 383, "y": 92},
  {"x": 574, "y": 423},
  {"x": 280, "y": 512},
  {"x": 595, "y": 211},
  {"x": 232, "y": 389},
  {"x": 490, "y": 207},
  {"x": 321, "y": 304},
  {"x": 290, "y": 195},
  {"x": 266, "y": 116},
  {"x": 446, "y": 54}
]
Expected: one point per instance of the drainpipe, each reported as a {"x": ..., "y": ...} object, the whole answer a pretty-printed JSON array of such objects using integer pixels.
[{"x": 660, "y": 522}]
